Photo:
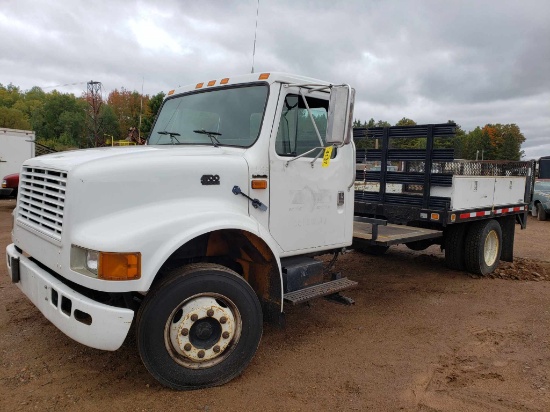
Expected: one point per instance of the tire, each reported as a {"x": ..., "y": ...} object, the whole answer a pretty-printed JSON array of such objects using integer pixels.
[
  {"x": 199, "y": 327},
  {"x": 541, "y": 213},
  {"x": 483, "y": 247},
  {"x": 454, "y": 242}
]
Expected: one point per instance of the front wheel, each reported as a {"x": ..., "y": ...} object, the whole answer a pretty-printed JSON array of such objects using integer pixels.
[
  {"x": 199, "y": 327},
  {"x": 541, "y": 213}
]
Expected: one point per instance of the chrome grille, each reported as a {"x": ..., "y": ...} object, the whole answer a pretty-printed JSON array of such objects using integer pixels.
[{"x": 41, "y": 200}]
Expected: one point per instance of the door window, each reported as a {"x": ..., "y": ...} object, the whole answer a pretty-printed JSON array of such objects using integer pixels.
[{"x": 296, "y": 134}]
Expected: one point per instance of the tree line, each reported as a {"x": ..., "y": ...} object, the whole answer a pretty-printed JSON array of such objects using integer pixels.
[
  {"x": 490, "y": 142},
  {"x": 64, "y": 121}
]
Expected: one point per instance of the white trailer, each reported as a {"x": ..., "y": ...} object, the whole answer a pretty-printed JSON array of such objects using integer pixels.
[
  {"x": 16, "y": 146},
  {"x": 213, "y": 225}
]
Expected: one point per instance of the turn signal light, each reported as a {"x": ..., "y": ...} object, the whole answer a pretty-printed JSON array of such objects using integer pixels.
[
  {"x": 435, "y": 216},
  {"x": 263, "y": 76},
  {"x": 259, "y": 184},
  {"x": 119, "y": 266}
]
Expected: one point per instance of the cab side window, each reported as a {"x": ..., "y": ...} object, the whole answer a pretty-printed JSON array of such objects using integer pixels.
[{"x": 296, "y": 134}]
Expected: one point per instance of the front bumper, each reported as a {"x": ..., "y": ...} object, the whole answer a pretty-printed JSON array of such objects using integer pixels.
[
  {"x": 6, "y": 191},
  {"x": 83, "y": 319}
]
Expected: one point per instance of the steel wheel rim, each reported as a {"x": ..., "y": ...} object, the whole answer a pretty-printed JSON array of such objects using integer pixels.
[
  {"x": 490, "y": 249},
  {"x": 202, "y": 330}
]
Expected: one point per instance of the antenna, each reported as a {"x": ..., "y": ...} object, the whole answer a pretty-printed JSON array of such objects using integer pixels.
[{"x": 255, "y": 32}]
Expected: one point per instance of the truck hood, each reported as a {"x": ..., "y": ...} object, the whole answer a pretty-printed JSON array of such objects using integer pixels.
[
  {"x": 67, "y": 161},
  {"x": 106, "y": 181}
]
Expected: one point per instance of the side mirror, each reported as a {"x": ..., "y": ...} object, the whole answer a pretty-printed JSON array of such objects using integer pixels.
[{"x": 340, "y": 115}]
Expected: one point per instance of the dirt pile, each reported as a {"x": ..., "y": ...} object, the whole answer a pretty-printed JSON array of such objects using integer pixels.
[{"x": 522, "y": 269}]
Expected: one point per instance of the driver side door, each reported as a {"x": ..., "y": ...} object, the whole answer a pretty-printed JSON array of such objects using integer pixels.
[{"x": 308, "y": 202}]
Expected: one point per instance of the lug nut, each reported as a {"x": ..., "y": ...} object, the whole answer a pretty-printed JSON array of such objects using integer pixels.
[
  {"x": 216, "y": 349},
  {"x": 187, "y": 347},
  {"x": 223, "y": 319},
  {"x": 185, "y": 331},
  {"x": 225, "y": 335},
  {"x": 210, "y": 312},
  {"x": 200, "y": 354},
  {"x": 194, "y": 317}
]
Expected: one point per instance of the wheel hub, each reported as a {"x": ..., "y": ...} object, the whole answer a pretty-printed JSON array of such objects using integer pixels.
[
  {"x": 490, "y": 250},
  {"x": 202, "y": 329}
]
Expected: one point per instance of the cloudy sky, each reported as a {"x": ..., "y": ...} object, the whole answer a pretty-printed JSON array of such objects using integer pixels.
[{"x": 475, "y": 62}]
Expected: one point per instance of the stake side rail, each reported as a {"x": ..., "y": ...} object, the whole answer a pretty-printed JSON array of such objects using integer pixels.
[{"x": 408, "y": 174}]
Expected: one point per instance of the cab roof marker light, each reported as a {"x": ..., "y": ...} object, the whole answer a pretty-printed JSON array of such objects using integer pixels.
[
  {"x": 224, "y": 81},
  {"x": 199, "y": 85},
  {"x": 171, "y": 92},
  {"x": 263, "y": 76},
  {"x": 211, "y": 83}
]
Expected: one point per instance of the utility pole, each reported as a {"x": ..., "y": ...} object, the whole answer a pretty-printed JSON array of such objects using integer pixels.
[{"x": 93, "y": 97}]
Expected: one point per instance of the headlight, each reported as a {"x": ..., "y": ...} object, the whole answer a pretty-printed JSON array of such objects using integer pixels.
[
  {"x": 106, "y": 265},
  {"x": 4, "y": 183},
  {"x": 92, "y": 258}
]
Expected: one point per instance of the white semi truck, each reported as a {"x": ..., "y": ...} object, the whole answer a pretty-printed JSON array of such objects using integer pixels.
[{"x": 215, "y": 223}]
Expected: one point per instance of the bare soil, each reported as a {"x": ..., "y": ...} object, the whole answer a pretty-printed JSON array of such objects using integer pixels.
[{"x": 419, "y": 338}]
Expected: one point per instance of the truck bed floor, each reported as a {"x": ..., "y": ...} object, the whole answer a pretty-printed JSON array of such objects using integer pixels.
[{"x": 393, "y": 234}]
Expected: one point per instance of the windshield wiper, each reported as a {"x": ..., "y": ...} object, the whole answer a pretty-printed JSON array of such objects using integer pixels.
[
  {"x": 211, "y": 135},
  {"x": 172, "y": 135}
]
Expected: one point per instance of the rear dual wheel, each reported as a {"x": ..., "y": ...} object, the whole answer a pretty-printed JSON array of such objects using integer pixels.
[
  {"x": 199, "y": 327},
  {"x": 475, "y": 246},
  {"x": 483, "y": 247}
]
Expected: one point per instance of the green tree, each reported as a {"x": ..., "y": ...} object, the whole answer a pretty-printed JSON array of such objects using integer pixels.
[
  {"x": 149, "y": 118},
  {"x": 61, "y": 115},
  {"x": 109, "y": 123},
  {"x": 9, "y": 95},
  {"x": 407, "y": 143},
  {"x": 13, "y": 119}
]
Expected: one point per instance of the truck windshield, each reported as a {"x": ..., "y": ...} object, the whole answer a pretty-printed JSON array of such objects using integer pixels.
[{"x": 225, "y": 117}]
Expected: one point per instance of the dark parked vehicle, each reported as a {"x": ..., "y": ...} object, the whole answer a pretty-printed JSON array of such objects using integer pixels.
[{"x": 540, "y": 205}]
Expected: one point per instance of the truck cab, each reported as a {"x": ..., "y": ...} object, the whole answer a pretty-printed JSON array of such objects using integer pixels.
[{"x": 188, "y": 235}]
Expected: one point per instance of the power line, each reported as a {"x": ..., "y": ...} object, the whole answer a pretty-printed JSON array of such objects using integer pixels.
[{"x": 63, "y": 85}]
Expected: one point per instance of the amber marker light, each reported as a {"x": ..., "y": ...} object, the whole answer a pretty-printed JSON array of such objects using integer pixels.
[
  {"x": 259, "y": 184},
  {"x": 119, "y": 266},
  {"x": 435, "y": 216},
  {"x": 199, "y": 85},
  {"x": 263, "y": 76},
  {"x": 453, "y": 217},
  {"x": 211, "y": 83},
  {"x": 171, "y": 92},
  {"x": 224, "y": 81}
]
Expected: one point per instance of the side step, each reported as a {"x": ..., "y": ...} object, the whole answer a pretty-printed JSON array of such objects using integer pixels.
[{"x": 324, "y": 289}]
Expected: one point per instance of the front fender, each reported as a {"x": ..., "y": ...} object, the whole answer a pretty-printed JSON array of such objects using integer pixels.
[{"x": 157, "y": 231}]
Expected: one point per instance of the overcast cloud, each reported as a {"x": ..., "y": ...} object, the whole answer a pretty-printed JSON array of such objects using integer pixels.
[{"x": 475, "y": 62}]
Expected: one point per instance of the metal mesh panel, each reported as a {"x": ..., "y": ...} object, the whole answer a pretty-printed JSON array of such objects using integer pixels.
[{"x": 483, "y": 168}]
